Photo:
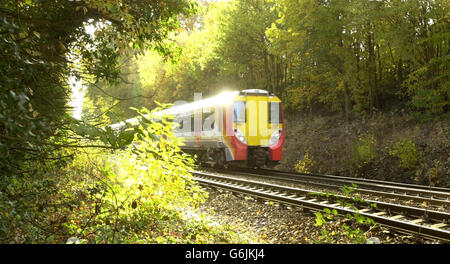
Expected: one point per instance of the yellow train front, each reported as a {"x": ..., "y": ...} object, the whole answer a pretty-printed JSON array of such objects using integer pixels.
[{"x": 245, "y": 128}]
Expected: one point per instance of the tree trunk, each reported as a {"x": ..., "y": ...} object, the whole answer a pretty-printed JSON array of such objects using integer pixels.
[{"x": 346, "y": 102}]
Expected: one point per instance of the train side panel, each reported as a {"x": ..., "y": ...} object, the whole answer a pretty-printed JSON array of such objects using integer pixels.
[{"x": 216, "y": 132}]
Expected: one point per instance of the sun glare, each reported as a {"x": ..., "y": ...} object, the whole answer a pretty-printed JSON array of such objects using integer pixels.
[{"x": 77, "y": 98}]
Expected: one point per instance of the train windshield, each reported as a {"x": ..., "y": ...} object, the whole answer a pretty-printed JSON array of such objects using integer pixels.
[
  {"x": 274, "y": 112},
  {"x": 239, "y": 111}
]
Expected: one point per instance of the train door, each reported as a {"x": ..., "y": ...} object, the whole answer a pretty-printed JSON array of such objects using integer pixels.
[{"x": 257, "y": 125}]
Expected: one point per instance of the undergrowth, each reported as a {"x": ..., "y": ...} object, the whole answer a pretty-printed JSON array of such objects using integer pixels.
[
  {"x": 353, "y": 228},
  {"x": 390, "y": 146},
  {"x": 140, "y": 194}
]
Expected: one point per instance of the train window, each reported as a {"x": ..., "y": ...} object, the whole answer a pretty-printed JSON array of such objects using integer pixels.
[
  {"x": 274, "y": 112},
  {"x": 239, "y": 112}
]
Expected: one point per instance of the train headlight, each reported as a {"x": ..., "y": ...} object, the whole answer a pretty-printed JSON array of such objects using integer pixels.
[
  {"x": 275, "y": 137},
  {"x": 240, "y": 136}
]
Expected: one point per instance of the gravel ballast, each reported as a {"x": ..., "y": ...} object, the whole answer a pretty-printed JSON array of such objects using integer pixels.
[{"x": 274, "y": 223}]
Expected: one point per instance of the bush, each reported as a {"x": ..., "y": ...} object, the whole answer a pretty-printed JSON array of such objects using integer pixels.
[
  {"x": 405, "y": 150},
  {"x": 433, "y": 173},
  {"x": 304, "y": 165},
  {"x": 364, "y": 151},
  {"x": 145, "y": 194}
]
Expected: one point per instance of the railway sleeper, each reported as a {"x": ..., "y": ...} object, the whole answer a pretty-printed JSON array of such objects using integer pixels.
[
  {"x": 398, "y": 217},
  {"x": 417, "y": 221},
  {"x": 439, "y": 225}
]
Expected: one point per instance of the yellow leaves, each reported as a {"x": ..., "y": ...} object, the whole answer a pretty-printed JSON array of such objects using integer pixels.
[
  {"x": 199, "y": 239},
  {"x": 265, "y": 236},
  {"x": 304, "y": 165},
  {"x": 269, "y": 203},
  {"x": 37, "y": 34}
]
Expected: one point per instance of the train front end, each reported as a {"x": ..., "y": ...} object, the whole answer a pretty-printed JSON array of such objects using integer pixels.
[{"x": 258, "y": 128}]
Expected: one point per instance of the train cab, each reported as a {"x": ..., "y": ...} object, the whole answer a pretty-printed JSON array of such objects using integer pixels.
[{"x": 258, "y": 123}]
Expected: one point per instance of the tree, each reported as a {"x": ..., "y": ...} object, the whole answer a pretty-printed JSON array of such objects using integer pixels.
[
  {"x": 103, "y": 99},
  {"x": 45, "y": 42},
  {"x": 196, "y": 68},
  {"x": 354, "y": 57},
  {"x": 244, "y": 45},
  {"x": 310, "y": 34},
  {"x": 364, "y": 55}
]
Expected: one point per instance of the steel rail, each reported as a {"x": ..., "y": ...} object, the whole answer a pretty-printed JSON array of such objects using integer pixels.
[
  {"x": 444, "y": 203},
  {"x": 405, "y": 192},
  {"x": 425, "y": 223},
  {"x": 430, "y": 189}
]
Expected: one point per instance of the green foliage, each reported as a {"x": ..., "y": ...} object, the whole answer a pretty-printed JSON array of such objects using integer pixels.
[
  {"x": 437, "y": 174},
  {"x": 355, "y": 57},
  {"x": 141, "y": 194},
  {"x": 102, "y": 99},
  {"x": 430, "y": 103},
  {"x": 44, "y": 43},
  {"x": 227, "y": 51},
  {"x": 137, "y": 187},
  {"x": 331, "y": 232},
  {"x": 364, "y": 55},
  {"x": 48, "y": 190},
  {"x": 321, "y": 220},
  {"x": 364, "y": 151},
  {"x": 25, "y": 111},
  {"x": 405, "y": 150}
]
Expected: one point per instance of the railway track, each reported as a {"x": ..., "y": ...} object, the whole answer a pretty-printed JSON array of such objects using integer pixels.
[
  {"x": 422, "y": 222},
  {"x": 425, "y": 195}
]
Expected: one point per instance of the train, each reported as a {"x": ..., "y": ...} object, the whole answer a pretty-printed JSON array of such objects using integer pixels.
[{"x": 237, "y": 128}]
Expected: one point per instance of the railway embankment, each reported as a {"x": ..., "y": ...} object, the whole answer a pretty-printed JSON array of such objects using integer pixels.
[{"x": 387, "y": 146}]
